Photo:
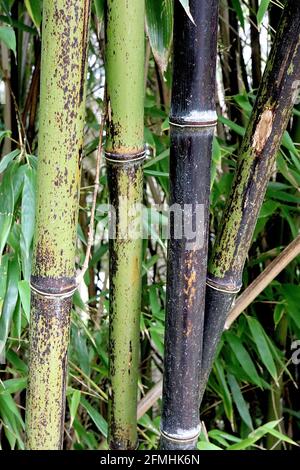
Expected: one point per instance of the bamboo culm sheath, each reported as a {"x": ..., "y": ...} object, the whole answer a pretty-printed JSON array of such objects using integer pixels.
[
  {"x": 61, "y": 121},
  {"x": 124, "y": 155},
  {"x": 276, "y": 97},
  {"x": 192, "y": 124}
]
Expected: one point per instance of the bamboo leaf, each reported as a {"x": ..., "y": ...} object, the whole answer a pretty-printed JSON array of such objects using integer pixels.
[
  {"x": 253, "y": 437},
  {"x": 159, "y": 21},
  {"x": 74, "y": 403},
  {"x": 24, "y": 291},
  {"x": 239, "y": 401},
  {"x": 34, "y": 8},
  {"x": 224, "y": 391},
  {"x": 232, "y": 125},
  {"x": 3, "y": 279},
  {"x": 244, "y": 358},
  {"x": 27, "y": 219},
  {"x": 8, "y": 159},
  {"x": 14, "y": 385},
  {"x": 7, "y": 35},
  {"x": 291, "y": 293},
  {"x": 202, "y": 445},
  {"x": 99, "y": 7},
  {"x": 95, "y": 416},
  {"x": 6, "y": 209},
  {"x": 238, "y": 9},
  {"x": 263, "y": 6},
  {"x": 10, "y": 302},
  {"x": 258, "y": 336}
]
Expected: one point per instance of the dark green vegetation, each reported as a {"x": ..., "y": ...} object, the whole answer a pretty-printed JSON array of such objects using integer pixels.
[{"x": 251, "y": 400}]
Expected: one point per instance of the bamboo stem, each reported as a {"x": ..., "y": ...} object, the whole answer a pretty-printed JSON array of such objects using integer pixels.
[
  {"x": 276, "y": 97},
  {"x": 61, "y": 121},
  {"x": 124, "y": 156},
  {"x": 192, "y": 124}
]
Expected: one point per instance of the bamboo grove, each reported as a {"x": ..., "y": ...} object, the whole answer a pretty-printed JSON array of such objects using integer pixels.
[{"x": 116, "y": 334}]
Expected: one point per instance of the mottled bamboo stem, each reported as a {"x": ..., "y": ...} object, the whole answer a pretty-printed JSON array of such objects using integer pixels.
[
  {"x": 192, "y": 124},
  {"x": 124, "y": 156},
  {"x": 61, "y": 121},
  {"x": 276, "y": 97}
]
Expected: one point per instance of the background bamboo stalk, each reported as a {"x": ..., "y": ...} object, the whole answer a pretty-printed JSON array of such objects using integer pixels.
[
  {"x": 276, "y": 97},
  {"x": 124, "y": 156},
  {"x": 192, "y": 123},
  {"x": 61, "y": 121}
]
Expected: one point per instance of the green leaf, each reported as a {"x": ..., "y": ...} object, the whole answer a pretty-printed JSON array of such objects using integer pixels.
[
  {"x": 239, "y": 401},
  {"x": 8, "y": 159},
  {"x": 161, "y": 156},
  {"x": 159, "y": 21},
  {"x": 3, "y": 279},
  {"x": 24, "y": 291},
  {"x": 99, "y": 7},
  {"x": 6, "y": 209},
  {"x": 244, "y": 358},
  {"x": 74, "y": 403},
  {"x": 34, "y": 8},
  {"x": 202, "y": 445},
  {"x": 232, "y": 125},
  {"x": 291, "y": 293},
  {"x": 238, "y": 9},
  {"x": 27, "y": 219},
  {"x": 95, "y": 416},
  {"x": 258, "y": 335},
  {"x": 4, "y": 134},
  {"x": 263, "y": 6},
  {"x": 7, "y": 35},
  {"x": 253, "y": 437},
  {"x": 10, "y": 302},
  {"x": 14, "y": 385},
  {"x": 224, "y": 391}
]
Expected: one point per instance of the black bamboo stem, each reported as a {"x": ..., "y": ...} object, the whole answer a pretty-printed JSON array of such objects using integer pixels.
[
  {"x": 192, "y": 124},
  {"x": 276, "y": 97}
]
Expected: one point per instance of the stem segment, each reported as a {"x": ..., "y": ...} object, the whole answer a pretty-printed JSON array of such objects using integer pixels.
[
  {"x": 64, "y": 47},
  {"x": 124, "y": 155},
  {"x": 192, "y": 123},
  {"x": 276, "y": 97}
]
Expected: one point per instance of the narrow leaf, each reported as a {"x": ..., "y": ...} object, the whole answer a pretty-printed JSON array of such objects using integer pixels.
[
  {"x": 258, "y": 336},
  {"x": 263, "y": 6},
  {"x": 159, "y": 21},
  {"x": 239, "y": 401},
  {"x": 7, "y": 35}
]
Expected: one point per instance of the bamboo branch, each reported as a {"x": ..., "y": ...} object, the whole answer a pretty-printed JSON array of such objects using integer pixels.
[
  {"x": 263, "y": 280},
  {"x": 90, "y": 241}
]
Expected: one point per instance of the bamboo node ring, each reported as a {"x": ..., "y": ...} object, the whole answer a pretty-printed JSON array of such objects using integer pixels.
[
  {"x": 58, "y": 295},
  {"x": 174, "y": 439}
]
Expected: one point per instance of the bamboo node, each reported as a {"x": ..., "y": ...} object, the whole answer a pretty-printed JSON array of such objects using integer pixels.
[
  {"x": 53, "y": 295},
  {"x": 124, "y": 158}
]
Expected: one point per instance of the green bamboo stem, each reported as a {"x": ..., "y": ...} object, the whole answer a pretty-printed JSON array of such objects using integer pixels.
[
  {"x": 61, "y": 121},
  {"x": 124, "y": 155}
]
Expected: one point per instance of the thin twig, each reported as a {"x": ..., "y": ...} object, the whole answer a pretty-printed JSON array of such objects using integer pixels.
[{"x": 90, "y": 242}]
